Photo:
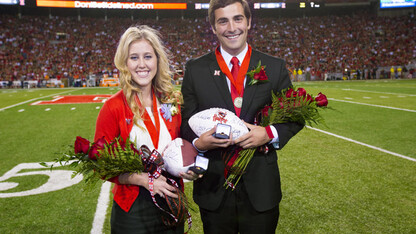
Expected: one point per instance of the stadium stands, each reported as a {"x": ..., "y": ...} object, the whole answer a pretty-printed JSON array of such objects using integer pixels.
[{"x": 38, "y": 47}]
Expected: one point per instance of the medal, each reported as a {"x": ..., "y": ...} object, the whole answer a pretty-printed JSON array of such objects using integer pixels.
[{"x": 238, "y": 102}]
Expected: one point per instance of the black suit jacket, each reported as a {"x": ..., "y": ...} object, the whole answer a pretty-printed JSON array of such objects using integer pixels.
[{"x": 203, "y": 89}]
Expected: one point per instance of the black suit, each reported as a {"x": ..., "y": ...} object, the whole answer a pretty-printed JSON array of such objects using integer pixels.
[{"x": 202, "y": 89}]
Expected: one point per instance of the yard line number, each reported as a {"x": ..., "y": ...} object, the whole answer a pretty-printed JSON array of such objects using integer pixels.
[{"x": 58, "y": 179}]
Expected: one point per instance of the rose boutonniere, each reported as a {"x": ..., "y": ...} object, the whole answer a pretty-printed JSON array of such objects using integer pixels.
[{"x": 258, "y": 75}]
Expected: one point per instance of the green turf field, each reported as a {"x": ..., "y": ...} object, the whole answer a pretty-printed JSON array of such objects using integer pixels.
[{"x": 361, "y": 179}]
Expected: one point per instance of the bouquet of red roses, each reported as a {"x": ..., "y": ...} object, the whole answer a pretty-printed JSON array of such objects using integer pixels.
[
  {"x": 288, "y": 105},
  {"x": 101, "y": 160}
]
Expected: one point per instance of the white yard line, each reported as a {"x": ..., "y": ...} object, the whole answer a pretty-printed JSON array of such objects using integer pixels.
[
  {"x": 57, "y": 98},
  {"x": 101, "y": 211},
  {"x": 366, "y": 104},
  {"x": 31, "y": 100},
  {"x": 364, "y": 144},
  {"x": 368, "y": 91}
]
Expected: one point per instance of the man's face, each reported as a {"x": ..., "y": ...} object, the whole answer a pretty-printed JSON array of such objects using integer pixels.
[{"x": 231, "y": 28}]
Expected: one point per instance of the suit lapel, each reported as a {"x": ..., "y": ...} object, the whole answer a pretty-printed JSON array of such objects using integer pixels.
[
  {"x": 221, "y": 82},
  {"x": 249, "y": 90}
]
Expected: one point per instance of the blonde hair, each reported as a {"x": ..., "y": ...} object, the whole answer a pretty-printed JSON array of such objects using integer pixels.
[{"x": 161, "y": 83}]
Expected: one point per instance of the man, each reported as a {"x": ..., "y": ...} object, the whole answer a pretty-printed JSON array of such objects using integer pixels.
[{"x": 253, "y": 207}]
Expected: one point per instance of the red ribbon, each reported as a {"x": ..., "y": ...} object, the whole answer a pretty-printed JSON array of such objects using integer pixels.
[
  {"x": 153, "y": 129},
  {"x": 239, "y": 82},
  {"x": 152, "y": 164}
]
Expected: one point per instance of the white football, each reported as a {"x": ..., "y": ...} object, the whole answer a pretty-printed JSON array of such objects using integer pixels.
[
  {"x": 207, "y": 119},
  {"x": 179, "y": 156}
]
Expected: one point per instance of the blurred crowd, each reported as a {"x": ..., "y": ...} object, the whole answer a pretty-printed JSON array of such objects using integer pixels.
[{"x": 37, "y": 48}]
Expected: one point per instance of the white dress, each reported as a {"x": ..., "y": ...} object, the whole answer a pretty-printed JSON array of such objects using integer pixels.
[{"x": 142, "y": 136}]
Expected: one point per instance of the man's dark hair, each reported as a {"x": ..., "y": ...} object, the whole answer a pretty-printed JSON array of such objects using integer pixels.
[{"x": 216, "y": 4}]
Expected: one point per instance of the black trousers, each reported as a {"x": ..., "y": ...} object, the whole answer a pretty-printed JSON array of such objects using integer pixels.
[
  {"x": 143, "y": 217},
  {"x": 237, "y": 215}
]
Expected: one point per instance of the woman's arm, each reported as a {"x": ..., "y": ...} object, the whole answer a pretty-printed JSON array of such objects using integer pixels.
[{"x": 160, "y": 186}]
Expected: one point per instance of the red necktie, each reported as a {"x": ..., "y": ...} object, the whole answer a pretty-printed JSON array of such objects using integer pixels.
[{"x": 234, "y": 92}]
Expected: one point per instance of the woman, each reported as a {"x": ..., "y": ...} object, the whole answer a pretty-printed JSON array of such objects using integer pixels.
[{"x": 139, "y": 112}]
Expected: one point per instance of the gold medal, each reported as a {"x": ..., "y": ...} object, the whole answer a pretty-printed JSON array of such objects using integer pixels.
[{"x": 238, "y": 102}]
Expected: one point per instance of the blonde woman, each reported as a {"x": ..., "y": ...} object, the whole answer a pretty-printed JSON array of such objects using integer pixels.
[{"x": 146, "y": 111}]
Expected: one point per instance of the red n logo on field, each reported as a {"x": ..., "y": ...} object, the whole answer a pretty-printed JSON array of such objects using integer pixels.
[{"x": 75, "y": 99}]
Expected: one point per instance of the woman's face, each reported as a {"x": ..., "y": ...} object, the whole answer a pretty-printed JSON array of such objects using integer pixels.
[{"x": 142, "y": 63}]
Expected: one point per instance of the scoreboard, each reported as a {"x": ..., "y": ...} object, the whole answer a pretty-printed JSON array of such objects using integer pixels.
[
  {"x": 103, "y": 4},
  {"x": 397, "y": 3}
]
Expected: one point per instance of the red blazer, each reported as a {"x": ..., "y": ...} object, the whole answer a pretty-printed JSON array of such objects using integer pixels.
[{"x": 116, "y": 119}]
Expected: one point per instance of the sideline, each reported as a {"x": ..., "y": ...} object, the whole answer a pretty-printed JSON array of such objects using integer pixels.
[
  {"x": 368, "y": 91},
  {"x": 18, "y": 104},
  {"x": 101, "y": 211},
  {"x": 364, "y": 144},
  {"x": 366, "y": 104}
]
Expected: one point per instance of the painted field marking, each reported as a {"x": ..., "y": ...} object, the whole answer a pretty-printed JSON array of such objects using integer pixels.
[
  {"x": 21, "y": 110},
  {"x": 366, "y": 104},
  {"x": 47, "y": 109},
  {"x": 368, "y": 91},
  {"x": 101, "y": 211},
  {"x": 364, "y": 144},
  {"x": 75, "y": 99},
  {"x": 348, "y": 98},
  {"x": 31, "y": 100},
  {"x": 367, "y": 97},
  {"x": 58, "y": 179},
  {"x": 57, "y": 98}
]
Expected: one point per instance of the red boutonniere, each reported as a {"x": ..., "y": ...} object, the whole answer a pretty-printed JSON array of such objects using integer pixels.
[{"x": 258, "y": 75}]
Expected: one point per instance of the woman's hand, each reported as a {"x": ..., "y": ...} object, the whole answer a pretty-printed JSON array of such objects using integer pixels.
[
  {"x": 160, "y": 185},
  {"x": 162, "y": 188}
]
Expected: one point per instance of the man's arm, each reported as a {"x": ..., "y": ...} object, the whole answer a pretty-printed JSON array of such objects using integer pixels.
[
  {"x": 278, "y": 134},
  {"x": 190, "y": 106},
  {"x": 285, "y": 130},
  {"x": 206, "y": 141}
]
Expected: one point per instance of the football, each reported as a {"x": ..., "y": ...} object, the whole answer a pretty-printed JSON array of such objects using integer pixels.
[
  {"x": 179, "y": 156},
  {"x": 207, "y": 119}
]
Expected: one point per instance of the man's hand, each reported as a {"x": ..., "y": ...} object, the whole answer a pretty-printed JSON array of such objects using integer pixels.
[
  {"x": 207, "y": 141},
  {"x": 190, "y": 175},
  {"x": 257, "y": 136}
]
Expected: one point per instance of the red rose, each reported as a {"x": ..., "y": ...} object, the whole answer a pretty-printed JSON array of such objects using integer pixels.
[
  {"x": 321, "y": 100},
  {"x": 281, "y": 103},
  {"x": 301, "y": 92},
  {"x": 81, "y": 145},
  {"x": 136, "y": 151},
  {"x": 115, "y": 144},
  {"x": 265, "y": 111},
  {"x": 261, "y": 75},
  {"x": 98, "y": 145},
  {"x": 309, "y": 98},
  {"x": 290, "y": 92}
]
